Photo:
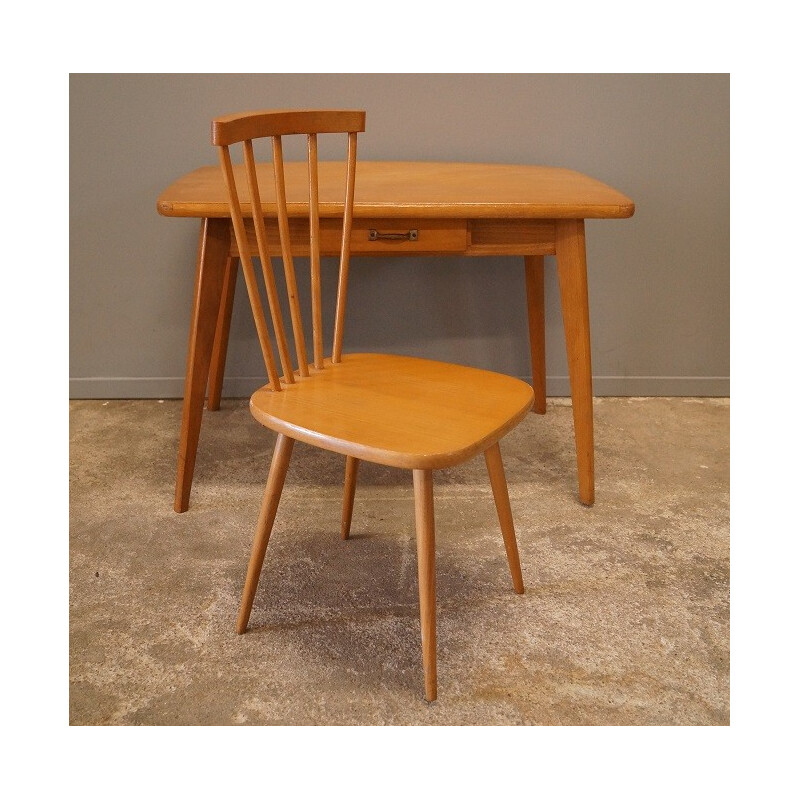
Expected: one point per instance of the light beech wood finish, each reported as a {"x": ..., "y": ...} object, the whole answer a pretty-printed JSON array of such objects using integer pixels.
[
  {"x": 456, "y": 208},
  {"x": 314, "y": 249},
  {"x": 534, "y": 292},
  {"x": 393, "y": 410},
  {"x": 250, "y": 277},
  {"x": 266, "y": 519},
  {"x": 220, "y": 350},
  {"x": 344, "y": 256},
  {"x": 435, "y": 237},
  {"x": 425, "y": 189},
  {"x": 286, "y": 250},
  {"x": 396, "y": 410},
  {"x": 350, "y": 478},
  {"x": 571, "y": 258},
  {"x": 426, "y": 575},
  {"x": 212, "y": 251},
  {"x": 497, "y": 477},
  {"x": 241, "y": 126}
]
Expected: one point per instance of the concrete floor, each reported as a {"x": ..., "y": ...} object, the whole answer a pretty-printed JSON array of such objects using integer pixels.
[{"x": 625, "y": 619}]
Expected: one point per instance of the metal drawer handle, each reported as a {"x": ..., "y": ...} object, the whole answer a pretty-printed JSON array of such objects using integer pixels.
[{"x": 409, "y": 236}]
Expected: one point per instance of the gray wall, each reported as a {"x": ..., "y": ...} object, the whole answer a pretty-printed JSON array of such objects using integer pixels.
[{"x": 659, "y": 282}]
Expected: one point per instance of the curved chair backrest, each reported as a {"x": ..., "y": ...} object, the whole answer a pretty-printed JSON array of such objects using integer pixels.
[{"x": 244, "y": 128}]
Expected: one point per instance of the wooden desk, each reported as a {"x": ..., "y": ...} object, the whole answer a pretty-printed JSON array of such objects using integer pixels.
[{"x": 427, "y": 209}]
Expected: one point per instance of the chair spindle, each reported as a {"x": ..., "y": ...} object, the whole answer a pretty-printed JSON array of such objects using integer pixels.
[
  {"x": 344, "y": 261},
  {"x": 247, "y": 269},
  {"x": 244, "y": 129},
  {"x": 266, "y": 262},
  {"x": 314, "y": 245},
  {"x": 286, "y": 251}
]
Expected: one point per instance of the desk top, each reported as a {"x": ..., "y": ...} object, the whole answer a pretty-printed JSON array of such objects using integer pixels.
[{"x": 393, "y": 189}]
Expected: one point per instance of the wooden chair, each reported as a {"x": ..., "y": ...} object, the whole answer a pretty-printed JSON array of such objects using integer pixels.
[{"x": 397, "y": 411}]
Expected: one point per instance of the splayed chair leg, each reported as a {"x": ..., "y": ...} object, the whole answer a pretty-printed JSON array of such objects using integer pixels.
[
  {"x": 426, "y": 567},
  {"x": 497, "y": 477},
  {"x": 350, "y": 475},
  {"x": 269, "y": 507}
]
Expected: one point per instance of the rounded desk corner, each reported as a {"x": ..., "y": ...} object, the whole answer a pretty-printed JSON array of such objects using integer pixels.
[{"x": 164, "y": 208}]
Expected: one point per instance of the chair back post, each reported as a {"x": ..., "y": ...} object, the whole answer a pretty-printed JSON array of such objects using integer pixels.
[{"x": 245, "y": 128}]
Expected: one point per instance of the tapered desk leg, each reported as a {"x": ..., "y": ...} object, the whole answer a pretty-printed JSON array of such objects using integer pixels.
[
  {"x": 534, "y": 290},
  {"x": 216, "y": 371},
  {"x": 571, "y": 257},
  {"x": 212, "y": 256}
]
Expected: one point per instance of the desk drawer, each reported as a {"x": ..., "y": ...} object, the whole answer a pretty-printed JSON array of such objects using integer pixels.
[
  {"x": 415, "y": 237},
  {"x": 369, "y": 237}
]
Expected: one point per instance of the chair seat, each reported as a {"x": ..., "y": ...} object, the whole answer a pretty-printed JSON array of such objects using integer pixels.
[{"x": 396, "y": 410}]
